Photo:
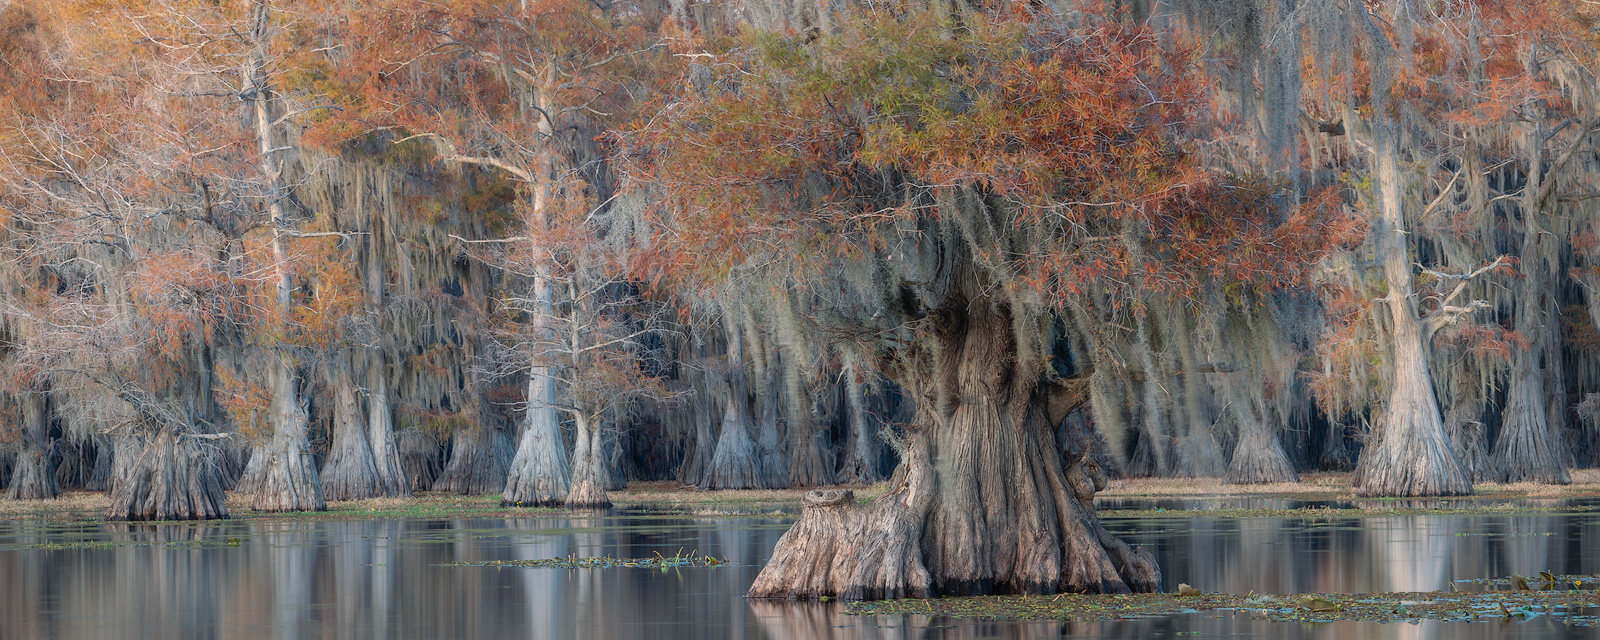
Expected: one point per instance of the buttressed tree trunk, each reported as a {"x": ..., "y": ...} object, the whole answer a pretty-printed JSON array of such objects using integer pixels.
[
  {"x": 540, "y": 475},
  {"x": 33, "y": 477},
  {"x": 735, "y": 464},
  {"x": 350, "y": 472},
  {"x": 982, "y": 502},
  {"x": 588, "y": 467},
  {"x": 169, "y": 476},
  {"x": 289, "y": 480},
  {"x": 392, "y": 481},
  {"x": 1525, "y": 450}
]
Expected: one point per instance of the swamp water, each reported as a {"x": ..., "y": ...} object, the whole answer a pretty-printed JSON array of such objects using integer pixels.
[{"x": 403, "y": 579}]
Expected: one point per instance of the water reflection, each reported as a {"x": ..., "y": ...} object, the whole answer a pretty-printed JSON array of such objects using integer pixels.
[{"x": 386, "y": 578}]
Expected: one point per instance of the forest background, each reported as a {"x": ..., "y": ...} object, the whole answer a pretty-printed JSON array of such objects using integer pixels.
[{"x": 993, "y": 253}]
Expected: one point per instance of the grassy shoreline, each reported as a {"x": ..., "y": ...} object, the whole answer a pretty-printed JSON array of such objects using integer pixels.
[{"x": 1329, "y": 495}]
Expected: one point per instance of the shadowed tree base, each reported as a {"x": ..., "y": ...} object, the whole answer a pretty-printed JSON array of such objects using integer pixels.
[
  {"x": 169, "y": 478},
  {"x": 983, "y": 502}
]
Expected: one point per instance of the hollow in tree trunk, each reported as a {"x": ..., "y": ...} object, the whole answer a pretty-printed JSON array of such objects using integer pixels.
[
  {"x": 983, "y": 503},
  {"x": 33, "y": 476},
  {"x": 169, "y": 476},
  {"x": 349, "y": 472},
  {"x": 588, "y": 467},
  {"x": 288, "y": 480},
  {"x": 540, "y": 475}
]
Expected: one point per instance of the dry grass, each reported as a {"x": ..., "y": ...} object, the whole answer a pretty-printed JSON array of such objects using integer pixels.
[{"x": 89, "y": 505}]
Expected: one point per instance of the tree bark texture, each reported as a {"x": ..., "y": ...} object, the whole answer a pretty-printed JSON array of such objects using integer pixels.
[
  {"x": 33, "y": 474},
  {"x": 981, "y": 504},
  {"x": 1259, "y": 457},
  {"x": 392, "y": 482},
  {"x": 540, "y": 475},
  {"x": 588, "y": 467},
  {"x": 168, "y": 477},
  {"x": 861, "y": 458},
  {"x": 1409, "y": 453},
  {"x": 349, "y": 472},
  {"x": 289, "y": 480},
  {"x": 480, "y": 460}
]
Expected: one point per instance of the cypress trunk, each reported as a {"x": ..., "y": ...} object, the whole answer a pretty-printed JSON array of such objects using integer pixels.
[
  {"x": 734, "y": 464},
  {"x": 288, "y": 474},
  {"x": 33, "y": 475},
  {"x": 480, "y": 460},
  {"x": 588, "y": 468},
  {"x": 169, "y": 476},
  {"x": 392, "y": 481},
  {"x": 861, "y": 459},
  {"x": 1259, "y": 457},
  {"x": 540, "y": 475},
  {"x": 350, "y": 472},
  {"x": 1408, "y": 453},
  {"x": 698, "y": 463},
  {"x": 982, "y": 503},
  {"x": 808, "y": 466}
]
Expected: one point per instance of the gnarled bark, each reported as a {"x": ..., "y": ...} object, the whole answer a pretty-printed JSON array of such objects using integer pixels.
[
  {"x": 734, "y": 465},
  {"x": 168, "y": 477},
  {"x": 33, "y": 475},
  {"x": 982, "y": 503}
]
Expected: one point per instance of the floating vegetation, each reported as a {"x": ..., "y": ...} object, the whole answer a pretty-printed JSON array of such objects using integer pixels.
[
  {"x": 1340, "y": 512},
  {"x": 573, "y": 562},
  {"x": 1572, "y": 606}
]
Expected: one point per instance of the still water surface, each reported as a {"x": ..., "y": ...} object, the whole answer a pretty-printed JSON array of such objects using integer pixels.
[{"x": 384, "y": 579}]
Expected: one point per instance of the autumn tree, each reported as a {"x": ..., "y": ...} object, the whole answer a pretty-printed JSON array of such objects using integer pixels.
[
  {"x": 972, "y": 184},
  {"x": 520, "y": 89}
]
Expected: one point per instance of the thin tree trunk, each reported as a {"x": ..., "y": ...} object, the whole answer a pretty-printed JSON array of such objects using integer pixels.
[
  {"x": 982, "y": 503},
  {"x": 33, "y": 476}
]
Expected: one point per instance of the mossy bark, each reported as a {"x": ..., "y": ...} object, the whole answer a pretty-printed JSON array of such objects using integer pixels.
[
  {"x": 983, "y": 503},
  {"x": 33, "y": 473}
]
